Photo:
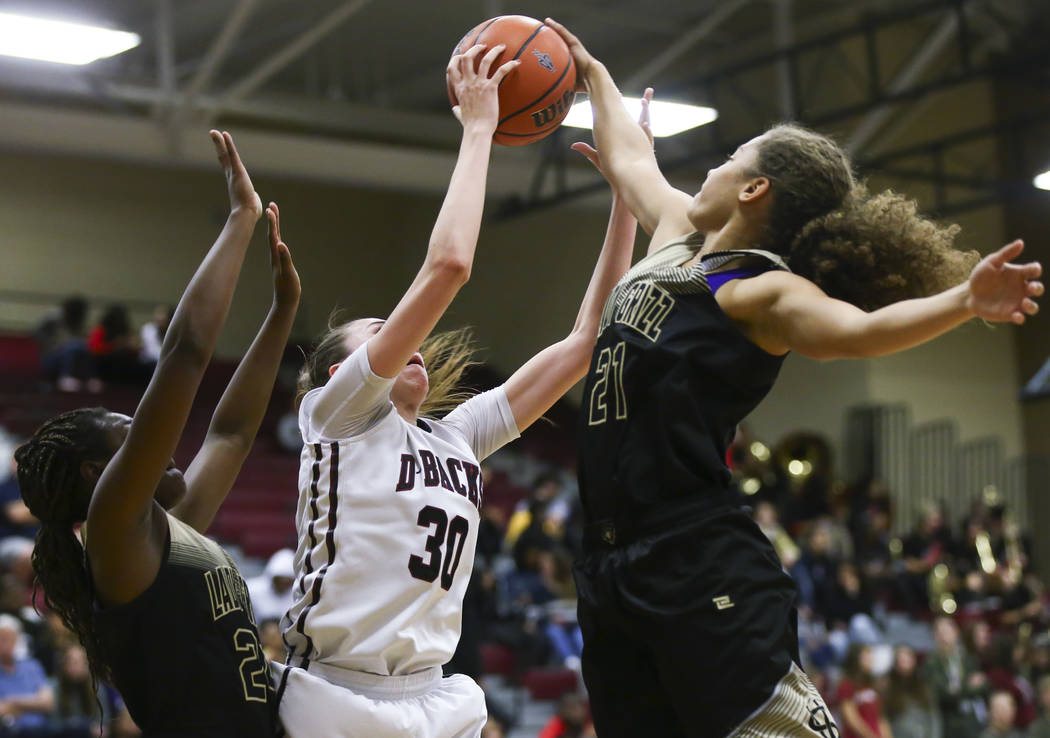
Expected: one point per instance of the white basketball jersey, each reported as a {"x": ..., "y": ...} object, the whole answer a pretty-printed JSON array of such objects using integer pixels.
[{"x": 387, "y": 522}]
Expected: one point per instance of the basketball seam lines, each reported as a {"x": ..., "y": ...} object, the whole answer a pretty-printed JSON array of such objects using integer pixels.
[
  {"x": 477, "y": 39},
  {"x": 528, "y": 41},
  {"x": 550, "y": 89}
]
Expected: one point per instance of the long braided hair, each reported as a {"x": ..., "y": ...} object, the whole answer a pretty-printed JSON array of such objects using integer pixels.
[{"x": 49, "y": 476}]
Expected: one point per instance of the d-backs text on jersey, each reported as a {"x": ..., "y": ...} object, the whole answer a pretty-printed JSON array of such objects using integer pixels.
[{"x": 455, "y": 475}]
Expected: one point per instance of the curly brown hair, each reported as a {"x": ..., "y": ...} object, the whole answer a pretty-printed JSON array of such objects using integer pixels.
[
  {"x": 869, "y": 250},
  {"x": 447, "y": 357}
]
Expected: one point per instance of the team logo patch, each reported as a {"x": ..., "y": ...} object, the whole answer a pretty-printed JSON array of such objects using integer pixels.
[
  {"x": 820, "y": 721},
  {"x": 544, "y": 59}
]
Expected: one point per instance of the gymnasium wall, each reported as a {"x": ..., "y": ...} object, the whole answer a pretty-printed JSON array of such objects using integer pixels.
[{"x": 138, "y": 232}]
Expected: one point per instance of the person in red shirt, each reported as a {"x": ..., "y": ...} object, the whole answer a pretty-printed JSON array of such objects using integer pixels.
[
  {"x": 859, "y": 702},
  {"x": 571, "y": 721}
]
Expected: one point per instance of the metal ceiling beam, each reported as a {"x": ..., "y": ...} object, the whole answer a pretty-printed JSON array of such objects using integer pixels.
[
  {"x": 786, "y": 77},
  {"x": 289, "y": 53},
  {"x": 930, "y": 50},
  {"x": 217, "y": 52},
  {"x": 164, "y": 27},
  {"x": 683, "y": 44}
]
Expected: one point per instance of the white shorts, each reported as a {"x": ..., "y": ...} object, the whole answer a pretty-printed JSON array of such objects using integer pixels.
[
  {"x": 329, "y": 702},
  {"x": 795, "y": 710}
]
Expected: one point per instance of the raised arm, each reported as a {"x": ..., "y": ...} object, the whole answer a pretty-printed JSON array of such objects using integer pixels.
[
  {"x": 451, "y": 253},
  {"x": 789, "y": 313},
  {"x": 214, "y": 469},
  {"x": 548, "y": 375},
  {"x": 123, "y": 543},
  {"x": 628, "y": 158}
]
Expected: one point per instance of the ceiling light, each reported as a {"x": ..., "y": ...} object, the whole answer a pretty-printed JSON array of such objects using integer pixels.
[
  {"x": 60, "y": 41},
  {"x": 1041, "y": 181},
  {"x": 668, "y": 118}
]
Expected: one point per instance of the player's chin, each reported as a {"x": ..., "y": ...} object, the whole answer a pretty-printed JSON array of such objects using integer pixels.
[
  {"x": 171, "y": 489},
  {"x": 413, "y": 379}
]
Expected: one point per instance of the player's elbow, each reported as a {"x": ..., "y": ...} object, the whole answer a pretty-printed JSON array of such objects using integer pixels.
[{"x": 450, "y": 268}]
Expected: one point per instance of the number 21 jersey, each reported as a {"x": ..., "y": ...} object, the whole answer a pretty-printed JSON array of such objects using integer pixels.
[{"x": 387, "y": 522}]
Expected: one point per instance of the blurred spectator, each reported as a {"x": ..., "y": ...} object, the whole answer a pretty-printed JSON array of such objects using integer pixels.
[
  {"x": 271, "y": 591},
  {"x": 858, "y": 700},
  {"x": 910, "y": 706},
  {"x": 115, "y": 349},
  {"x": 1041, "y": 727},
  {"x": 571, "y": 720},
  {"x": 544, "y": 505},
  {"x": 847, "y": 599},
  {"x": 270, "y": 640},
  {"x": 15, "y": 518},
  {"x": 1001, "y": 714},
  {"x": 76, "y": 702},
  {"x": 957, "y": 684},
  {"x": 493, "y": 729},
  {"x": 64, "y": 355},
  {"x": 1003, "y": 676},
  {"x": 922, "y": 550},
  {"x": 815, "y": 571},
  {"x": 151, "y": 336},
  {"x": 26, "y": 699},
  {"x": 768, "y": 521}
]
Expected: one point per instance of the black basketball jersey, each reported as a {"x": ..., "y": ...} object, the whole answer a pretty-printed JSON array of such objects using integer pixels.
[
  {"x": 670, "y": 378},
  {"x": 185, "y": 654}
]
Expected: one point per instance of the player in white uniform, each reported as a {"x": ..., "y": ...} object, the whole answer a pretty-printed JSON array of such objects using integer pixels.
[{"x": 388, "y": 507}]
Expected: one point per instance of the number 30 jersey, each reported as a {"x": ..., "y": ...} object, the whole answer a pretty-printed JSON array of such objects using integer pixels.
[{"x": 387, "y": 522}]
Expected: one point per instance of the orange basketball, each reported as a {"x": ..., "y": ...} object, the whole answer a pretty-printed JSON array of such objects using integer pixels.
[{"x": 535, "y": 97}]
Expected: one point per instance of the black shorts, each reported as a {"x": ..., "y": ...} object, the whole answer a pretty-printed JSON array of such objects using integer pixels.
[{"x": 686, "y": 631}]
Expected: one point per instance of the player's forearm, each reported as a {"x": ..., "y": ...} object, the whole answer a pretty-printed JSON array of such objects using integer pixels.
[
  {"x": 455, "y": 234},
  {"x": 613, "y": 262},
  {"x": 202, "y": 311},
  {"x": 912, "y": 322},
  {"x": 243, "y": 405},
  {"x": 619, "y": 138}
]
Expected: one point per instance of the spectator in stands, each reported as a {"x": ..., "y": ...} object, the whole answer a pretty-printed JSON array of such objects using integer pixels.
[
  {"x": 271, "y": 591},
  {"x": 768, "y": 521},
  {"x": 15, "y": 518},
  {"x": 151, "y": 336},
  {"x": 910, "y": 706},
  {"x": 1001, "y": 715},
  {"x": 848, "y": 604},
  {"x": 115, "y": 348},
  {"x": 858, "y": 700},
  {"x": 957, "y": 684},
  {"x": 1041, "y": 727},
  {"x": 270, "y": 639},
  {"x": 571, "y": 720},
  {"x": 545, "y": 496},
  {"x": 493, "y": 729},
  {"x": 64, "y": 356},
  {"x": 26, "y": 699},
  {"x": 923, "y": 549},
  {"x": 815, "y": 570},
  {"x": 76, "y": 701},
  {"x": 1004, "y": 676}
]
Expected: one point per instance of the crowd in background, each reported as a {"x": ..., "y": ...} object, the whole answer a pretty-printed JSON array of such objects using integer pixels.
[{"x": 941, "y": 630}]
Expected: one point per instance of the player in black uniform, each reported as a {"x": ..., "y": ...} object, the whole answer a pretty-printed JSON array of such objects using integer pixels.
[
  {"x": 159, "y": 608},
  {"x": 688, "y": 619}
]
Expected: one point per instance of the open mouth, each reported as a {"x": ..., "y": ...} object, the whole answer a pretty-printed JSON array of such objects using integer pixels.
[{"x": 416, "y": 359}]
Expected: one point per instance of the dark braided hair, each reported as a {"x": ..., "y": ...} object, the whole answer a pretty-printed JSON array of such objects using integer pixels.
[
  {"x": 869, "y": 250},
  {"x": 49, "y": 476}
]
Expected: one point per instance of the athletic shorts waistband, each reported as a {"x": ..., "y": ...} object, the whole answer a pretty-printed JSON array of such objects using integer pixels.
[
  {"x": 378, "y": 686},
  {"x": 623, "y": 530}
]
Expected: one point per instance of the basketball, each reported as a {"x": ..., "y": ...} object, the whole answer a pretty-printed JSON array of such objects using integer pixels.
[{"x": 534, "y": 98}]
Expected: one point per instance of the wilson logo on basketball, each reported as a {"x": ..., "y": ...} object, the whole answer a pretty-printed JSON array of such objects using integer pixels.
[
  {"x": 555, "y": 110},
  {"x": 544, "y": 59}
]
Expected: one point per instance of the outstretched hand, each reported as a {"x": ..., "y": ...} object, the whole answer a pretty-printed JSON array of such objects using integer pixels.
[
  {"x": 644, "y": 122},
  {"x": 477, "y": 94},
  {"x": 238, "y": 184},
  {"x": 583, "y": 59},
  {"x": 286, "y": 288},
  {"x": 1001, "y": 291}
]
